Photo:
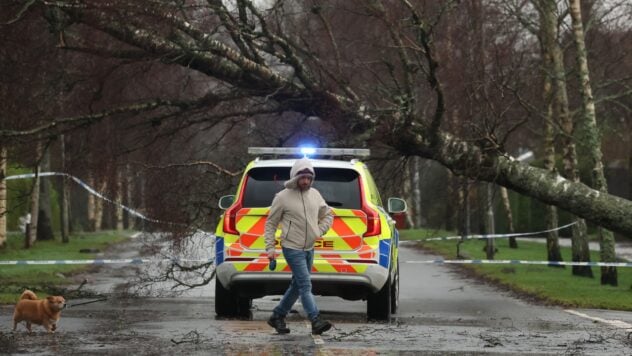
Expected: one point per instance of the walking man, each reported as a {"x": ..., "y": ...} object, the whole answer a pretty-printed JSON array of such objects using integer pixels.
[{"x": 304, "y": 216}]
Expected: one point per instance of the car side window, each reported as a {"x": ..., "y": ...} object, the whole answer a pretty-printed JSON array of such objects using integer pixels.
[{"x": 375, "y": 194}]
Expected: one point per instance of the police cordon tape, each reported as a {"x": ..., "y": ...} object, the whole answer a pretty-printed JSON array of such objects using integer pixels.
[
  {"x": 131, "y": 211},
  {"x": 91, "y": 191},
  {"x": 496, "y": 236},
  {"x": 523, "y": 262},
  {"x": 136, "y": 213},
  {"x": 137, "y": 261},
  {"x": 132, "y": 261}
]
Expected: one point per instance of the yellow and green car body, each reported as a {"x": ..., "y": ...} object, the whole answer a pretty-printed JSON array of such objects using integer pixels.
[{"x": 356, "y": 259}]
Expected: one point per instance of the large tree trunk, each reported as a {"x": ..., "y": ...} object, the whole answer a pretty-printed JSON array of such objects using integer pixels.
[
  {"x": 548, "y": 38},
  {"x": 3, "y": 197},
  {"x": 592, "y": 139},
  {"x": 550, "y": 188}
]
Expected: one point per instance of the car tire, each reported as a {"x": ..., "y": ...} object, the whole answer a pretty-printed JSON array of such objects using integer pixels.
[
  {"x": 228, "y": 304},
  {"x": 244, "y": 305},
  {"x": 378, "y": 306},
  {"x": 395, "y": 292}
]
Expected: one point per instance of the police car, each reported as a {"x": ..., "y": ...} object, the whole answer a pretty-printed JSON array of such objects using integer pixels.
[{"x": 357, "y": 259}]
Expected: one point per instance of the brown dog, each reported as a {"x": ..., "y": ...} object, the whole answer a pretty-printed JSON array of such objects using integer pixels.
[{"x": 45, "y": 312}]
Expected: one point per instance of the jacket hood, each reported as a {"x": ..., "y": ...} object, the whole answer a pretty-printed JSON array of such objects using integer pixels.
[{"x": 299, "y": 165}]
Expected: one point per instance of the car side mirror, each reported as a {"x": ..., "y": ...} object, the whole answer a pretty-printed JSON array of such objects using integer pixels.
[
  {"x": 226, "y": 201},
  {"x": 396, "y": 205}
]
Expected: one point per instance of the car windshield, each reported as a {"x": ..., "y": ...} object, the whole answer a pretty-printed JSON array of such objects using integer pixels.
[{"x": 339, "y": 187}]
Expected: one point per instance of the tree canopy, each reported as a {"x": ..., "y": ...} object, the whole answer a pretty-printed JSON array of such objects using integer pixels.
[{"x": 449, "y": 81}]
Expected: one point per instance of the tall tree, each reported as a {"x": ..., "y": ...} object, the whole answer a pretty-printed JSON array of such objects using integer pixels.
[
  {"x": 580, "y": 249},
  {"x": 592, "y": 139},
  {"x": 548, "y": 30}
]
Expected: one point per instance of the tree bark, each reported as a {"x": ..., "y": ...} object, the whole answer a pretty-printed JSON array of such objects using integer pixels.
[
  {"x": 91, "y": 206},
  {"x": 548, "y": 39},
  {"x": 580, "y": 250},
  {"x": 408, "y": 189},
  {"x": 3, "y": 197},
  {"x": 129, "y": 190},
  {"x": 592, "y": 139},
  {"x": 64, "y": 210},
  {"x": 452, "y": 196},
  {"x": 417, "y": 190},
  {"x": 44, "y": 225},
  {"x": 31, "y": 235},
  {"x": 98, "y": 205},
  {"x": 118, "y": 212},
  {"x": 504, "y": 195},
  {"x": 464, "y": 213},
  {"x": 490, "y": 223},
  {"x": 539, "y": 183}
]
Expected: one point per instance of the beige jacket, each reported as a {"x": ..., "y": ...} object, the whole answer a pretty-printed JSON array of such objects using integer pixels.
[{"x": 303, "y": 215}]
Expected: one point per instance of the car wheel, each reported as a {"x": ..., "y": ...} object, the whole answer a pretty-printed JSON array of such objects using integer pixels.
[
  {"x": 378, "y": 305},
  {"x": 244, "y": 305},
  {"x": 395, "y": 292}
]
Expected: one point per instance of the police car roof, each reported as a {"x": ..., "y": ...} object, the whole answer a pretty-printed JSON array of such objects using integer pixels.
[{"x": 317, "y": 163}]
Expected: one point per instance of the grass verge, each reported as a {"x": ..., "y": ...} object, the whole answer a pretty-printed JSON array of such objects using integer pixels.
[
  {"x": 552, "y": 285},
  {"x": 46, "y": 279}
]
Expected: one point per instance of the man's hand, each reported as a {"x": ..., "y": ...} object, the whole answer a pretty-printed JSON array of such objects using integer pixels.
[{"x": 271, "y": 255}]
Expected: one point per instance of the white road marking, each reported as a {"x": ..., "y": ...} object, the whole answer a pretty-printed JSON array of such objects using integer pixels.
[{"x": 616, "y": 323}]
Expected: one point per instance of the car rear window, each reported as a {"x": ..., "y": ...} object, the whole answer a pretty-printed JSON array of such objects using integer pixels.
[{"x": 338, "y": 186}]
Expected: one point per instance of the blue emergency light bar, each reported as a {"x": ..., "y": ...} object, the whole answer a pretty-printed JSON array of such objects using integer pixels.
[{"x": 310, "y": 151}]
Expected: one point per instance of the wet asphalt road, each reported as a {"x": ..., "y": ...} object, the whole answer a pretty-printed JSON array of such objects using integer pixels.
[{"x": 440, "y": 313}]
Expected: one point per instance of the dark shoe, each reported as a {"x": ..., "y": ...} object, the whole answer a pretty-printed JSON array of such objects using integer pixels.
[
  {"x": 278, "y": 323},
  {"x": 319, "y": 326}
]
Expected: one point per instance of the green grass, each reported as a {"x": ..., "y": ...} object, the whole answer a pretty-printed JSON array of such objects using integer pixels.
[
  {"x": 551, "y": 284},
  {"x": 46, "y": 278}
]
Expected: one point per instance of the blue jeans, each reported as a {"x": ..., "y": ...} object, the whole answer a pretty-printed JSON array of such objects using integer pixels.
[{"x": 300, "y": 263}]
